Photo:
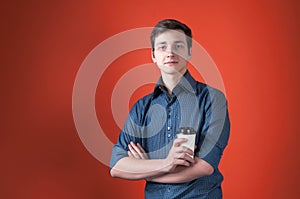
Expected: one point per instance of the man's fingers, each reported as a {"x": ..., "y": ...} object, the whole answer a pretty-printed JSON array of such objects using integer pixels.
[
  {"x": 182, "y": 162},
  {"x": 143, "y": 152},
  {"x": 140, "y": 148},
  {"x": 179, "y": 141},
  {"x": 133, "y": 152},
  {"x": 185, "y": 154},
  {"x": 129, "y": 154},
  {"x": 183, "y": 149},
  {"x": 137, "y": 151},
  {"x": 188, "y": 158},
  {"x": 135, "y": 147}
]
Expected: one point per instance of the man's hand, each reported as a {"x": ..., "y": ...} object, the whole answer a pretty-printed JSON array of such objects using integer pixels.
[
  {"x": 136, "y": 151},
  {"x": 179, "y": 155}
]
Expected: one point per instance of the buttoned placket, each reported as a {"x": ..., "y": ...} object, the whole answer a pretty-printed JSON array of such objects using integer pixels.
[
  {"x": 169, "y": 122},
  {"x": 170, "y": 110}
]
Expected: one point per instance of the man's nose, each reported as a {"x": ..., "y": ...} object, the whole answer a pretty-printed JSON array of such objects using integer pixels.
[
  {"x": 170, "y": 51},
  {"x": 170, "y": 54}
]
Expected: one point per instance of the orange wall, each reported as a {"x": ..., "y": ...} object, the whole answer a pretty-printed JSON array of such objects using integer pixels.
[{"x": 255, "y": 45}]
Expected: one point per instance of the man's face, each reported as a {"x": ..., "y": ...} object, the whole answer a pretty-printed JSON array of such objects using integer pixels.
[{"x": 171, "y": 52}]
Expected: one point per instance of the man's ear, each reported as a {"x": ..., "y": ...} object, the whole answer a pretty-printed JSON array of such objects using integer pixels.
[
  {"x": 190, "y": 53},
  {"x": 153, "y": 57}
]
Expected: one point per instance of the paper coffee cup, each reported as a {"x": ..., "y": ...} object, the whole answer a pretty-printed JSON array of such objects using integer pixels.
[{"x": 190, "y": 135}]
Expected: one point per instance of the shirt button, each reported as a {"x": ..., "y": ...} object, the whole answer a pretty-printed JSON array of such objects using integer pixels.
[
  {"x": 169, "y": 128},
  {"x": 169, "y": 135}
]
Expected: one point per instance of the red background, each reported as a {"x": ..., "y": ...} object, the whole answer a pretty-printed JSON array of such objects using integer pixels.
[{"x": 43, "y": 43}]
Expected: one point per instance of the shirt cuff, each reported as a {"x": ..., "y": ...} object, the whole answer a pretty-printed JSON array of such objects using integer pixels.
[
  {"x": 213, "y": 157},
  {"x": 117, "y": 154}
]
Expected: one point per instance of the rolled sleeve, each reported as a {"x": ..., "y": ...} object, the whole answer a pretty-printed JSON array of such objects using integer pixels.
[
  {"x": 118, "y": 152},
  {"x": 215, "y": 132},
  {"x": 120, "y": 149},
  {"x": 129, "y": 133}
]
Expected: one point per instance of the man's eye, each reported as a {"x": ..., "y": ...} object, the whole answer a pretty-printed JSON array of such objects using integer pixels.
[
  {"x": 162, "y": 47},
  {"x": 179, "y": 46}
]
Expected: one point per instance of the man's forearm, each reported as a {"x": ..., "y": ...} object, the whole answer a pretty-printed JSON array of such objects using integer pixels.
[
  {"x": 185, "y": 174},
  {"x": 137, "y": 169}
]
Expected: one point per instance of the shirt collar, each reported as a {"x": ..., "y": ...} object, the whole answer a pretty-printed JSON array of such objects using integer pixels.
[{"x": 187, "y": 83}]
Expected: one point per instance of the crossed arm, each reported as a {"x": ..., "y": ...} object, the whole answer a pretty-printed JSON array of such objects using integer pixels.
[{"x": 177, "y": 167}]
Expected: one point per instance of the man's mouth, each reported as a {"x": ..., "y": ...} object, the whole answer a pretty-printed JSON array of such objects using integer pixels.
[{"x": 171, "y": 62}]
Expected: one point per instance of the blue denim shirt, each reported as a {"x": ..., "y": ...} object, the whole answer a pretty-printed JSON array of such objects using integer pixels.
[{"x": 154, "y": 120}]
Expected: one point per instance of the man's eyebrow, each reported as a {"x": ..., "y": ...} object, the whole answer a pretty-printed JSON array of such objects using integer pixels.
[
  {"x": 178, "y": 42},
  {"x": 164, "y": 42}
]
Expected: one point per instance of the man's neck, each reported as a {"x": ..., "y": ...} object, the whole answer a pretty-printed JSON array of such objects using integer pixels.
[{"x": 171, "y": 80}]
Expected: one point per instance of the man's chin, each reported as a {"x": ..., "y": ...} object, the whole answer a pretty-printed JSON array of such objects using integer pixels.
[{"x": 171, "y": 72}]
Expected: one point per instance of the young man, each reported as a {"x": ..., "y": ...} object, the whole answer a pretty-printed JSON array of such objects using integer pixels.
[{"x": 148, "y": 147}]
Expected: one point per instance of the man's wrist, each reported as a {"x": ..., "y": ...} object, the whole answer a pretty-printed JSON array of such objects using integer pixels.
[{"x": 167, "y": 168}]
